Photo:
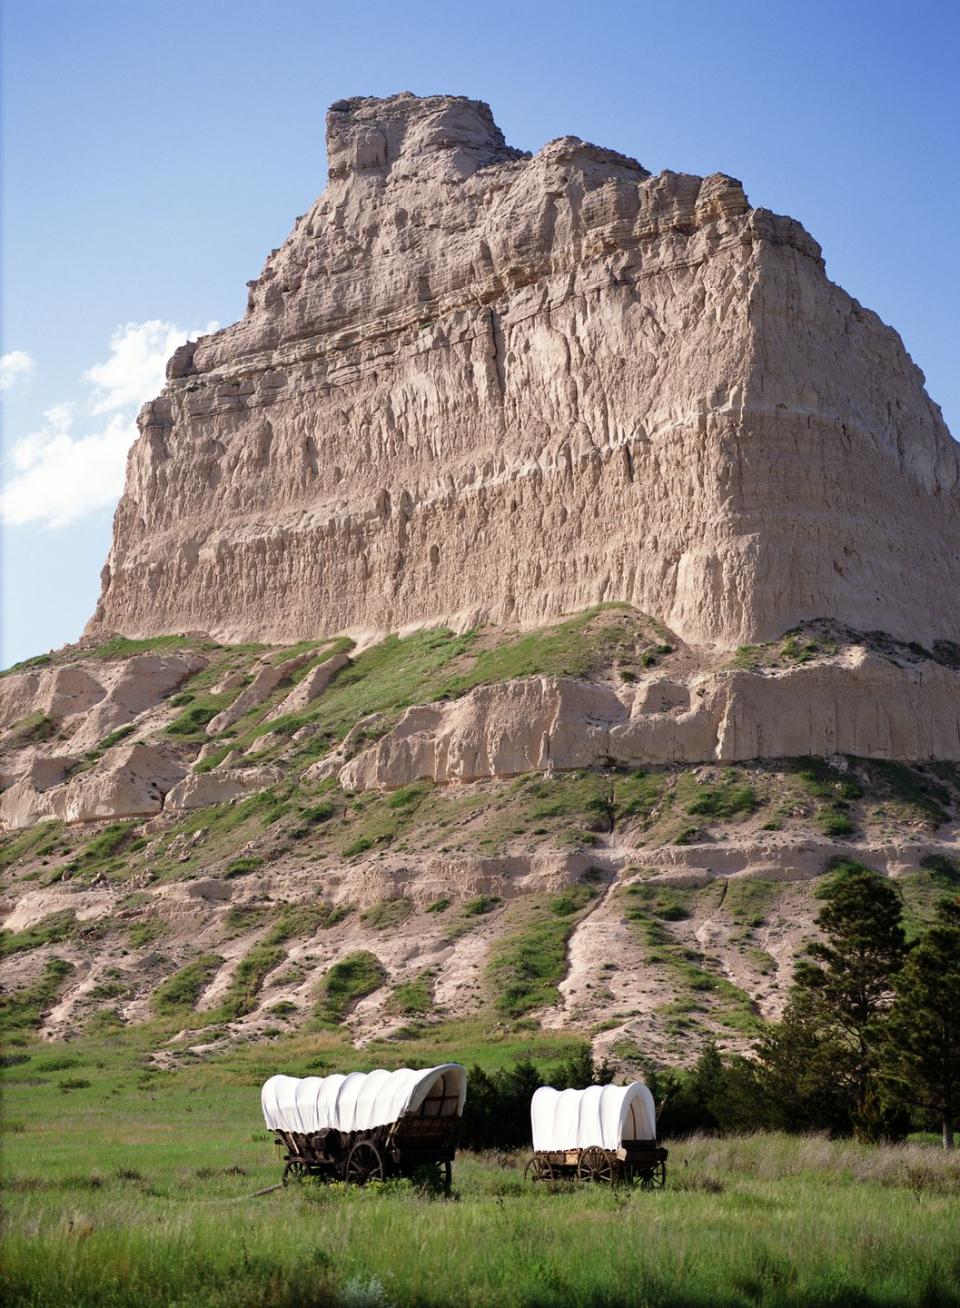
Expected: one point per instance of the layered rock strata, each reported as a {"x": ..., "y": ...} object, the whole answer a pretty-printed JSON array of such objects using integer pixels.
[
  {"x": 867, "y": 707},
  {"x": 474, "y": 384}
]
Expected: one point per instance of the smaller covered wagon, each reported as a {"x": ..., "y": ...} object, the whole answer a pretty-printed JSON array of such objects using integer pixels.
[
  {"x": 366, "y": 1126},
  {"x": 605, "y": 1133}
]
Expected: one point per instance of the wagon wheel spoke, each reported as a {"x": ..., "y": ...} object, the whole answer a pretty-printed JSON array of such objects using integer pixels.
[
  {"x": 364, "y": 1164},
  {"x": 595, "y": 1165},
  {"x": 655, "y": 1177},
  {"x": 537, "y": 1169},
  {"x": 293, "y": 1172}
]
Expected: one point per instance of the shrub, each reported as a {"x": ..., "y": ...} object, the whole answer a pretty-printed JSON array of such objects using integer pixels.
[
  {"x": 180, "y": 992},
  {"x": 247, "y": 982},
  {"x": 481, "y": 905},
  {"x": 722, "y": 803},
  {"x": 240, "y": 867},
  {"x": 388, "y": 913},
  {"x": 345, "y": 984},
  {"x": 193, "y": 721}
]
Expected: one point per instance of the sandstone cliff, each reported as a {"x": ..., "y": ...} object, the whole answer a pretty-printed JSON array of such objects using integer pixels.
[{"x": 478, "y": 385}]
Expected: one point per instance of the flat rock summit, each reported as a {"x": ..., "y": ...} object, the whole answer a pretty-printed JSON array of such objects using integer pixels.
[
  {"x": 475, "y": 385},
  {"x": 507, "y": 622}
]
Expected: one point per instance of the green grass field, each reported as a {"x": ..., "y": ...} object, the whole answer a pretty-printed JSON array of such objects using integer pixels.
[{"x": 125, "y": 1186}]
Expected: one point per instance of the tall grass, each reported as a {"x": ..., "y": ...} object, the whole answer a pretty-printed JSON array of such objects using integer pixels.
[
  {"x": 762, "y": 1221},
  {"x": 129, "y": 1187}
]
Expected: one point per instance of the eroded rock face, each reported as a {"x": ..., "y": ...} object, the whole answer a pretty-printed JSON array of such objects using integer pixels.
[
  {"x": 867, "y": 707},
  {"x": 477, "y": 385}
]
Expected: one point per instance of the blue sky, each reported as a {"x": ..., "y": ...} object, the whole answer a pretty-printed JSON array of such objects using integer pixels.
[{"x": 153, "y": 154}]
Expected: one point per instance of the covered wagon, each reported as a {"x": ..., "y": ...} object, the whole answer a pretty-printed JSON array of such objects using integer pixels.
[
  {"x": 604, "y": 1133},
  {"x": 368, "y": 1125}
]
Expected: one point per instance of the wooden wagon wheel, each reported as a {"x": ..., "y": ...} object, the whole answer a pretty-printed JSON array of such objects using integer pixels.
[
  {"x": 538, "y": 1169},
  {"x": 364, "y": 1164},
  {"x": 595, "y": 1165},
  {"x": 293, "y": 1172},
  {"x": 654, "y": 1178}
]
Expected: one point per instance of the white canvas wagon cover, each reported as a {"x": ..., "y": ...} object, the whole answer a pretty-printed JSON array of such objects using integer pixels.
[
  {"x": 361, "y": 1100},
  {"x": 602, "y": 1116}
]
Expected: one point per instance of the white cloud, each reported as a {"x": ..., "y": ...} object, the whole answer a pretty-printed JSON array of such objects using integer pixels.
[
  {"x": 13, "y": 367},
  {"x": 61, "y": 476},
  {"x": 135, "y": 369},
  {"x": 64, "y": 472}
]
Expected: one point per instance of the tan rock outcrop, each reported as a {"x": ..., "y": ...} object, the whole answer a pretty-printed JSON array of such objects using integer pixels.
[
  {"x": 265, "y": 681},
  {"x": 477, "y": 385},
  {"x": 132, "y": 784},
  {"x": 220, "y": 787},
  {"x": 311, "y": 687},
  {"x": 864, "y": 706}
]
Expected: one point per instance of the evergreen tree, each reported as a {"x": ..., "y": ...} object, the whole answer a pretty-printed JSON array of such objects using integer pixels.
[
  {"x": 820, "y": 1063},
  {"x": 921, "y": 1053},
  {"x": 797, "y": 1086}
]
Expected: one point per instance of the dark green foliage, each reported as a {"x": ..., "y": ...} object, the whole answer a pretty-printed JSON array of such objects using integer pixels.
[
  {"x": 831, "y": 1032},
  {"x": 526, "y": 968},
  {"x": 732, "y": 798},
  {"x": 921, "y": 1040},
  {"x": 302, "y": 920},
  {"x": 835, "y": 823},
  {"x": 834, "y": 792},
  {"x": 712, "y": 1096},
  {"x": 910, "y": 786},
  {"x": 345, "y": 984},
  {"x": 497, "y": 1111},
  {"x": 193, "y": 721},
  {"x": 438, "y": 905},
  {"x": 824, "y": 782},
  {"x": 946, "y": 871},
  {"x": 241, "y": 867},
  {"x": 180, "y": 992},
  {"x": 477, "y": 907},
  {"x": 637, "y": 794}
]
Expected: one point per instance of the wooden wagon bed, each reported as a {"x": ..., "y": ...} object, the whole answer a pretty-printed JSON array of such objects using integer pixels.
[
  {"x": 601, "y": 1133},
  {"x": 642, "y": 1161},
  {"x": 422, "y": 1135}
]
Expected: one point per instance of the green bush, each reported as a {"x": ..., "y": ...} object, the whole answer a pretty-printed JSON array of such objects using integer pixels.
[
  {"x": 240, "y": 867},
  {"x": 345, "y": 984},
  {"x": 481, "y": 905},
  {"x": 388, "y": 913},
  {"x": 246, "y": 983},
  {"x": 193, "y": 721},
  {"x": 732, "y": 798},
  {"x": 180, "y": 992}
]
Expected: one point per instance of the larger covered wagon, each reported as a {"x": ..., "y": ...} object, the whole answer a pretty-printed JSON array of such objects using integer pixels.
[
  {"x": 367, "y": 1126},
  {"x": 604, "y": 1133}
]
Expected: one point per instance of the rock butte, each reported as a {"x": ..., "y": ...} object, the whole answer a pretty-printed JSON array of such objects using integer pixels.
[
  {"x": 475, "y": 385},
  {"x": 481, "y": 389}
]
